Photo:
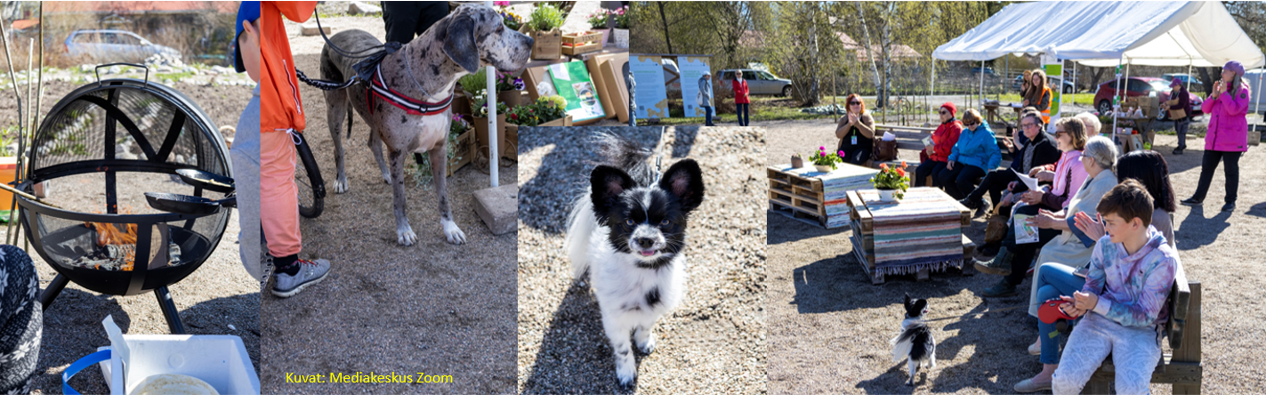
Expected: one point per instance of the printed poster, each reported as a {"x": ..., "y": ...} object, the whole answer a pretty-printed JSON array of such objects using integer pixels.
[
  {"x": 691, "y": 69},
  {"x": 1054, "y": 69},
  {"x": 650, "y": 95},
  {"x": 573, "y": 84}
]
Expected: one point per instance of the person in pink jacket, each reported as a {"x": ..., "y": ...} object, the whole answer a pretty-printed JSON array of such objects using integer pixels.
[{"x": 1227, "y": 138}]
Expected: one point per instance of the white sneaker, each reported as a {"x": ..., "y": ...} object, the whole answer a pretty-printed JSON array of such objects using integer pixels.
[{"x": 310, "y": 272}]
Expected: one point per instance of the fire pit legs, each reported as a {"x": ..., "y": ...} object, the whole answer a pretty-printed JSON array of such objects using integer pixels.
[
  {"x": 169, "y": 311},
  {"x": 54, "y": 288}
]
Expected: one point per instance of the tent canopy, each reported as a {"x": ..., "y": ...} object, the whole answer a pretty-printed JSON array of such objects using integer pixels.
[{"x": 1101, "y": 34}]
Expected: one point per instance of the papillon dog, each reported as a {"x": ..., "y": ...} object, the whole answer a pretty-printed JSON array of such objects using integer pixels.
[
  {"x": 915, "y": 343},
  {"x": 629, "y": 232}
]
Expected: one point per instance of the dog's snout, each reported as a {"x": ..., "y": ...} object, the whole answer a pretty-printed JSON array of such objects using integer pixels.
[{"x": 645, "y": 242}]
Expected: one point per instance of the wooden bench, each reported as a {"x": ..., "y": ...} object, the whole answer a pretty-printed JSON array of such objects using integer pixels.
[
  {"x": 1182, "y": 366},
  {"x": 911, "y": 138}
]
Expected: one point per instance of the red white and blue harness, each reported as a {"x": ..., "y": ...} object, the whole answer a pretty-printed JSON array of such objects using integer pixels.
[{"x": 379, "y": 88}]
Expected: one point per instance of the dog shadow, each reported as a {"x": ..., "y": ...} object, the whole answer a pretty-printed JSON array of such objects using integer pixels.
[
  {"x": 894, "y": 380},
  {"x": 576, "y": 346},
  {"x": 987, "y": 348},
  {"x": 1258, "y": 210},
  {"x": 1197, "y": 231},
  {"x": 546, "y": 198},
  {"x": 72, "y": 327}
]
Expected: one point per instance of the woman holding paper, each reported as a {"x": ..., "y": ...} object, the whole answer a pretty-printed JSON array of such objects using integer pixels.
[
  {"x": 975, "y": 152},
  {"x": 21, "y": 320},
  {"x": 1227, "y": 138},
  {"x": 856, "y": 131},
  {"x": 1017, "y": 252},
  {"x": 1039, "y": 151},
  {"x": 934, "y": 157}
]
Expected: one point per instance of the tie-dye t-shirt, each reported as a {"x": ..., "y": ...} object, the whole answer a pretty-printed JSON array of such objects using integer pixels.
[{"x": 1132, "y": 288}]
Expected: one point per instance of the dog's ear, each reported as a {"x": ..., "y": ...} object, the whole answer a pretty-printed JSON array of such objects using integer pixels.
[
  {"x": 685, "y": 181},
  {"x": 607, "y": 184},
  {"x": 459, "y": 43},
  {"x": 907, "y": 300}
]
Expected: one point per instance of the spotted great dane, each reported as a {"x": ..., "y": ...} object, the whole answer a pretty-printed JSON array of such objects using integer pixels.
[{"x": 425, "y": 70}]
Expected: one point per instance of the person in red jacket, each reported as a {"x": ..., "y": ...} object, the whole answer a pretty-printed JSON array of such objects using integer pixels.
[
  {"x": 741, "y": 102},
  {"x": 933, "y": 158}
]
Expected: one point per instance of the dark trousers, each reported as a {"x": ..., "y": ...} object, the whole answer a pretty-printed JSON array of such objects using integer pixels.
[
  {"x": 959, "y": 181},
  {"x": 741, "y": 110},
  {"x": 707, "y": 116},
  {"x": 858, "y": 156},
  {"x": 1231, "y": 160},
  {"x": 994, "y": 183},
  {"x": 925, "y": 169},
  {"x": 406, "y": 19},
  {"x": 1180, "y": 126},
  {"x": 1024, "y": 253}
]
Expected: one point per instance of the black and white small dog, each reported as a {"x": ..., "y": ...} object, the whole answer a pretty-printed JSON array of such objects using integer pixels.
[
  {"x": 629, "y": 230},
  {"x": 915, "y": 343}
]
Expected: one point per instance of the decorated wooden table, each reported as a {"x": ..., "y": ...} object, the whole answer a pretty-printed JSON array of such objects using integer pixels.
[
  {"x": 815, "y": 197},
  {"x": 917, "y": 234}
]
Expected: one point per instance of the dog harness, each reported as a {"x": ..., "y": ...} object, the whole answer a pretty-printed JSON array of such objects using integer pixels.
[{"x": 378, "y": 87}]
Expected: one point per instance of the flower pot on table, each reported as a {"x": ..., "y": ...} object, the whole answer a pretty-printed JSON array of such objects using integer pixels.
[
  {"x": 512, "y": 99},
  {"x": 823, "y": 168}
]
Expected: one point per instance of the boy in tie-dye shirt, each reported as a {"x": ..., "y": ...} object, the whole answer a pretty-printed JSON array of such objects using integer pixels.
[{"x": 1130, "y": 274}]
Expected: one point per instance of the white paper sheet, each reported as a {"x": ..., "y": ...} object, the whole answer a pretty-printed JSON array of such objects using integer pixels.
[{"x": 1028, "y": 181}]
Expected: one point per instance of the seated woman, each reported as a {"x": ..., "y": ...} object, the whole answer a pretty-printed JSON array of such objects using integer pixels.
[
  {"x": 932, "y": 159},
  {"x": 1055, "y": 275},
  {"x": 1013, "y": 259},
  {"x": 973, "y": 153},
  {"x": 1122, "y": 303},
  {"x": 21, "y": 320},
  {"x": 856, "y": 131},
  {"x": 1039, "y": 151}
]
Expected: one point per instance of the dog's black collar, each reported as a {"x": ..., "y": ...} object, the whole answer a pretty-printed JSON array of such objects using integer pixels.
[
  {"x": 657, "y": 264},
  {"x": 378, "y": 87}
]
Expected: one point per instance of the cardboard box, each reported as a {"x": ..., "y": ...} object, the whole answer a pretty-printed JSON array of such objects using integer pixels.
[
  {"x": 608, "y": 92},
  {"x": 538, "y": 82},
  {"x": 219, "y": 360},
  {"x": 548, "y": 45}
]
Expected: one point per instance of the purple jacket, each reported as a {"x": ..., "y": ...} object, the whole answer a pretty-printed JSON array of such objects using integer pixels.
[{"x": 1228, "y": 122}]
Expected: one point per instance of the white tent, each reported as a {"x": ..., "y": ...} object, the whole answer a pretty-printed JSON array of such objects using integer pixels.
[{"x": 1104, "y": 34}]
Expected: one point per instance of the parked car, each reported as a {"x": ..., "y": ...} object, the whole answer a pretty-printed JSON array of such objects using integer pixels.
[
  {"x": 759, "y": 82},
  {"x": 1138, "y": 86},
  {"x": 1068, "y": 85},
  {"x": 102, "y": 46},
  {"x": 1196, "y": 85},
  {"x": 988, "y": 71},
  {"x": 1254, "y": 79}
]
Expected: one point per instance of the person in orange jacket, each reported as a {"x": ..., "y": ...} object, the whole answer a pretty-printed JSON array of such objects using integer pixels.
[{"x": 281, "y": 117}]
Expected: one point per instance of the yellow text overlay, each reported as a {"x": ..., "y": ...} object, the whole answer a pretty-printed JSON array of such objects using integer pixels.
[{"x": 369, "y": 378}]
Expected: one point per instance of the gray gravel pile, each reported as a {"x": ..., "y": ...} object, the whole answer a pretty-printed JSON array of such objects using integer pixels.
[{"x": 715, "y": 341}]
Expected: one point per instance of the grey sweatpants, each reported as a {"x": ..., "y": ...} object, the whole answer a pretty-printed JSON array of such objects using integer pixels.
[
  {"x": 1135, "y": 352},
  {"x": 245, "y": 158}
]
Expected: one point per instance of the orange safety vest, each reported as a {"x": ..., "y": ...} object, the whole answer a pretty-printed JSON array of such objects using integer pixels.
[
  {"x": 1046, "y": 114},
  {"x": 280, "y": 106}
]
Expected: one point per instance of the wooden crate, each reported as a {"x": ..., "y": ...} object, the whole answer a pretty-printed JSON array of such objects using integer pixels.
[
  {"x": 465, "y": 152},
  {"x": 582, "y": 37},
  {"x": 580, "y": 48},
  {"x": 796, "y": 196},
  {"x": 863, "y": 239}
]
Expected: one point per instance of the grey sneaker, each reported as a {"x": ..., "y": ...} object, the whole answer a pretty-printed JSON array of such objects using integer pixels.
[{"x": 310, "y": 272}]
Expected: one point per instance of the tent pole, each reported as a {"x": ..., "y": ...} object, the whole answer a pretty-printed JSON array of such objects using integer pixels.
[
  {"x": 1189, "y": 62},
  {"x": 1061, "y": 87},
  {"x": 932, "y": 84},
  {"x": 1117, "y": 98},
  {"x": 1075, "y": 83},
  {"x": 1260, "y": 76},
  {"x": 982, "y": 85}
]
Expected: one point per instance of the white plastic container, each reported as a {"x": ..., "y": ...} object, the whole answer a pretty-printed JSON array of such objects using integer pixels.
[{"x": 220, "y": 360}]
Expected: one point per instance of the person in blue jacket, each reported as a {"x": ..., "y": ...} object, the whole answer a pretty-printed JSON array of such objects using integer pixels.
[{"x": 975, "y": 153}]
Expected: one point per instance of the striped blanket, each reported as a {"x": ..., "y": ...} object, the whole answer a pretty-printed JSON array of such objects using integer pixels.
[
  {"x": 835, "y": 187},
  {"x": 923, "y": 230}
]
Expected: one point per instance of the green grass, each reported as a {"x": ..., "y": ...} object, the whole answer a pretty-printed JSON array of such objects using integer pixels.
[{"x": 173, "y": 76}]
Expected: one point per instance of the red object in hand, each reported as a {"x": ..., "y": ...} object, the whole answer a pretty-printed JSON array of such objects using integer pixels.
[{"x": 1050, "y": 311}]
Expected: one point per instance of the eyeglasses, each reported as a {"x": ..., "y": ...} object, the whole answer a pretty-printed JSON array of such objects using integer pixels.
[
  {"x": 943, "y": 112},
  {"x": 854, "y": 103},
  {"x": 1027, "y": 125}
]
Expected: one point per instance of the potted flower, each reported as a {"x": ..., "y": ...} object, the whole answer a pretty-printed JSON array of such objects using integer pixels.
[
  {"x": 511, "y": 20},
  {"x": 797, "y": 161},
  {"x": 470, "y": 84},
  {"x": 598, "y": 23},
  {"x": 553, "y": 111},
  {"x": 825, "y": 162},
  {"x": 621, "y": 17},
  {"x": 480, "y": 110},
  {"x": 544, "y": 23},
  {"x": 891, "y": 182},
  {"x": 510, "y": 89}
]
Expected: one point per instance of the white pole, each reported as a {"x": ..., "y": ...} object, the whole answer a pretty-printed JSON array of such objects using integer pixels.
[
  {"x": 1114, "y": 108},
  {"x": 1189, "y": 62},
  {"x": 1062, "y": 62},
  {"x": 982, "y": 85},
  {"x": 1258, "y": 93},
  {"x": 493, "y": 136}
]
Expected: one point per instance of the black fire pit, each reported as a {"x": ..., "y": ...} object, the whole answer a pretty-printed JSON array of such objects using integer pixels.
[{"x": 113, "y": 141}]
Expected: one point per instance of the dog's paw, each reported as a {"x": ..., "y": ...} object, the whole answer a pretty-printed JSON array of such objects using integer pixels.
[
  {"x": 406, "y": 237},
  {"x": 386, "y": 177},
  {"x": 453, "y": 232},
  {"x": 647, "y": 347},
  {"x": 626, "y": 378},
  {"x": 340, "y": 185}
]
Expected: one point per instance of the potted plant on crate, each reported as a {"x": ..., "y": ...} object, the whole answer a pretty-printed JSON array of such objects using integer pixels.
[
  {"x": 510, "y": 89},
  {"x": 621, "y": 33},
  {"x": 598, "y": 23},
  {"x": 470, "y": 84},
  {"x": 553, "y": 111},
  {"x": 891, "y": 182},
  {"x": 797, "y": 161},
  {"x": 480, "y": 110},
  {"x": 823, "y": 161},
  {"x": 546, "y": 19}
]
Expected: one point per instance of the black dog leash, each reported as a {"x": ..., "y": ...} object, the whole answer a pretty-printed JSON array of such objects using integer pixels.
[{"x": 364, "y": 68}]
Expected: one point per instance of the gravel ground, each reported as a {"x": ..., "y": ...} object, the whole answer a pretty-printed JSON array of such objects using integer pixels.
[
  {"x": 715, "y": 341},
  {"x": 219, "y": 294},
  {"x": 433, "y": 307},
  {"x": 829, "y": 328}
]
